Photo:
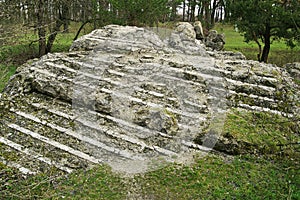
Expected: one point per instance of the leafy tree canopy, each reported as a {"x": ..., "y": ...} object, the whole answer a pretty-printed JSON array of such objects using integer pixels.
[{"x": 267, "y": 20}]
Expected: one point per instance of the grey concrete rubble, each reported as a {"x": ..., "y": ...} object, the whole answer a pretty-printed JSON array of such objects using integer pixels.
[
  {"x": 293, "y": 69},
  {"x": 214, "y": 40},
  {"x": 125, "y": 97},
  {"x": 199, "y": 30}
]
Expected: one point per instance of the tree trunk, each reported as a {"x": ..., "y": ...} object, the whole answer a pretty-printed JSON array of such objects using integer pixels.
[
  {"x": 174, "y": 11},
  {"x": 267, "y": 45},
  {"x": 213, "y": 13},
  {"x": 183, "y": 14},
  {"x": 226, "y": 6},
  {"x": 42, "y": 41},
  {"x": 193, "y": 9},
  {"x": 221, "y": 14},
  {"x": 189, "y": 11},
  {"x": 65, "y": 17},
  {"x": 207, "y": 14},
  {"x": 201, "y": 11},
  {"x": 258, "y": 44},
  {"x": 79, "y": 30},
  {"x": 41, "y": 28},
  {"x": 53, "y": 34},
  {"x": 199, "y": 15}
]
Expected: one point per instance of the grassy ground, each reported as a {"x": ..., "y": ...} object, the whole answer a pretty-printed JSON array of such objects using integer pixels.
[
  {"x": 208, "y": 178},
  {"x": 272, "y": 173},
  {"x": 6, "y": 71}
]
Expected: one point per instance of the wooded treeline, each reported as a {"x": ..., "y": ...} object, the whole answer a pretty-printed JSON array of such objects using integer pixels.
[
  {"x": 48, "y": 17},
  {"x": 259, "y": 20},
  {"x": 130, "y": 12}
]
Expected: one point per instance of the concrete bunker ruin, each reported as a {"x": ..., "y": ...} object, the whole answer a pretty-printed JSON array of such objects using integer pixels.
[{"x": 125, "y": 97}]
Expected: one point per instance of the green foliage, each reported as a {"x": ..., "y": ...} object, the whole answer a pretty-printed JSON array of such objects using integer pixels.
[
  {"x": 264, "y": 21},
  {"x": 279, "y": 55},
  {"x": 5, "y": 73},
  {"x": 252, "y": 17}
]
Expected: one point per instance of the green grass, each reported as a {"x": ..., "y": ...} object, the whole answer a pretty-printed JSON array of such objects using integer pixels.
[
  {"x": 215, "y": 178},
  {"x": 263, "y": 133},
  {"x": 5, "y": 73},
  {"x": 280, "y": 53},
  {"x": 211, "y": 177},
  {"x": 11, "y": 57},
  {"x": 64, "y": 41}
]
